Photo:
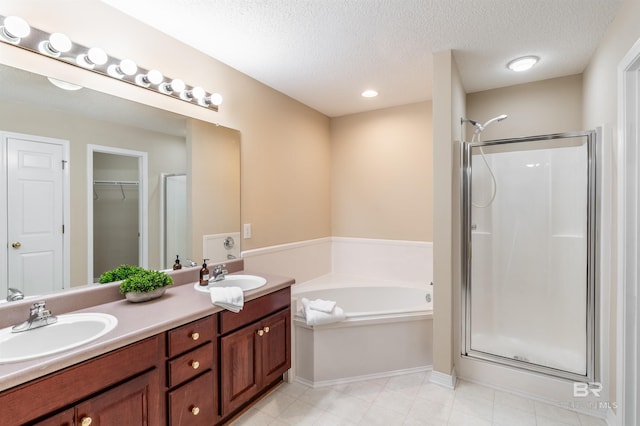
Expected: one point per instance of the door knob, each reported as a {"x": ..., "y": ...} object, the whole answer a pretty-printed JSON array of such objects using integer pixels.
[{"x": 16, "y": 245}]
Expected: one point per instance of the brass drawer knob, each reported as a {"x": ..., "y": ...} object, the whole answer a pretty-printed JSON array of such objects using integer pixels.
[
  {"x": 195, "y": 335},
  {"x": 86, "y": 421},
  {"x": 266, "y": 329},
  {"x": 195, "y": 410},
  {"x": 260, "y": 332},
  {"x": 195, "y": 365}
]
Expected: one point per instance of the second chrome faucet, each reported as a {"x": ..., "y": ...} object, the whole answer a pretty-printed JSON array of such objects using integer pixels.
[{"x": 39, "y": 316}]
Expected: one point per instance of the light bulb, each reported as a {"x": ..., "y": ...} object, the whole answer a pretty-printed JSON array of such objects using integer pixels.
[
  {"x": 125, "y": 67},
  {"x": 14, "y": 29},
  {"x": 175, "y": 85},
  {"x": 151, "y": 77},
  {"x": 214, "y": 99},
  {"x": 57, "y": 44},
  {"x": 196, "y": 93},
  {"x": 94, "y": 56}
]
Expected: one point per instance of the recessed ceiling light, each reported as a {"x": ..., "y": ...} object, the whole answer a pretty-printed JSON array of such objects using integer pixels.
[
  {"x": 369, "y": 93},
  {"x": 522, "y": 64}
]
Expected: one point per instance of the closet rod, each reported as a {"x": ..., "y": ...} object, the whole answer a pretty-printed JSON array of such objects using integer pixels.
[{"x": 115, "y": 182}]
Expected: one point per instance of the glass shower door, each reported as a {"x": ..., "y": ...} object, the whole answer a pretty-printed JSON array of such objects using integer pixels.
[{"x": 529, "y": 243}]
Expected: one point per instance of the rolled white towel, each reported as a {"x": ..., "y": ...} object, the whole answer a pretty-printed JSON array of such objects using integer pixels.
[
  {"x": 322, "y": 305},
  {"x": 314, "y": 317},
  {"x": 231, "y": 298}
]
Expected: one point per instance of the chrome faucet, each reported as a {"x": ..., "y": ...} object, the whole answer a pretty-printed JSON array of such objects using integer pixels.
[
  {"x": 218, "y": 273},
  {"x": 14, "y": 294},
  {"x": 39, "y": 316}
]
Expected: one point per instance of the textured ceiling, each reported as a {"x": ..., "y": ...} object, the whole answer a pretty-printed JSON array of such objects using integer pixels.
[{"x": 324, "y": 53}]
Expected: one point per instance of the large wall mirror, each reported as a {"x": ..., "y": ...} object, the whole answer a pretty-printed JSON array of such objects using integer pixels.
[{"x": 192, "y": 180}]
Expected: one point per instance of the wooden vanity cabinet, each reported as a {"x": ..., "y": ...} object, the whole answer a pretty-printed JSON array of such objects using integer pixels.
[
  {"x": 192, "y": 379},
  {"x": 126, "y": 404},
  {"x": 122, "y": 387},
  {"x": 200, "y": 373},
  {"x": 254, "y": 357}
]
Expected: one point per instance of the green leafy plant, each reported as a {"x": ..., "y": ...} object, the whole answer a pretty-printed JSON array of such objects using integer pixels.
[
  {"x": 145, "y": 281},
  {"x": 120, "y": 273}
]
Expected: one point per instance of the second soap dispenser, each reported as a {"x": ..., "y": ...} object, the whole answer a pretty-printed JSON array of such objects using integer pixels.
[
  {"x": 204, "y": 273},
  {"x": 177, "y": 265}
]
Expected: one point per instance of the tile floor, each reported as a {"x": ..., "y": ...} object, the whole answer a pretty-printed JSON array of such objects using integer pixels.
[{"x": 404, "y": 400}]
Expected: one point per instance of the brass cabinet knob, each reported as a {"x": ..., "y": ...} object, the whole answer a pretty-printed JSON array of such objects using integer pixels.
[
  {"x": 195, "y": 365},
  {"x": 195, "y": 410},
  {"x": 86, "y": 421},
  {"x": 266, "y": 329},
  {"x": 260, "y": 332},
  {"x": 195, "y": 335},
  {"x": 16, "y": 245}
]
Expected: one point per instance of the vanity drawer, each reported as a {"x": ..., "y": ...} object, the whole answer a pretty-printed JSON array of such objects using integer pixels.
[
  {"x": 255, "y": 309},
  {"x": 193, "y": 404},
  {"x": 190, "y": 364},
  {"x": 190, "y": 335}
]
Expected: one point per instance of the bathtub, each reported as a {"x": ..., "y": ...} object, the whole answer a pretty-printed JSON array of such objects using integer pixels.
[{"x": 388, "y": 330}]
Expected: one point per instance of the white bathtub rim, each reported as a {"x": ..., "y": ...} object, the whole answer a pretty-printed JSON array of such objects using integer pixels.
[
  {"x": 365, "y": 377},
  {"x": 368, "y": 319}
]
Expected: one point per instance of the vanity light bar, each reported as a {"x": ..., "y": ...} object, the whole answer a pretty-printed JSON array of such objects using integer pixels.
[{"x": 15, "y": 30}]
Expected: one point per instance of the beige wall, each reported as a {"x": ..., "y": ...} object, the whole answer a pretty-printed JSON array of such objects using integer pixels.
[
  {"x": 285, "y": 145},
  {"x": 213, "y": 183},
  {"x": 600, "y": 108},
  {"x": 542, "y": 107},
  {"x": 382, "y": 174},
  {"x": 449, "y": 105}
]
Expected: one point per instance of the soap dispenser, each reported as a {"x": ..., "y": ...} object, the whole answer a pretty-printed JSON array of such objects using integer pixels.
[
  {"x": 177, "y": 265},
  {"x": 204, "y": 273}
]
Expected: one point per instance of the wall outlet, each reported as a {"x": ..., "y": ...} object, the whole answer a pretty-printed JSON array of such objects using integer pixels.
[{"x": 247, "y": 231}]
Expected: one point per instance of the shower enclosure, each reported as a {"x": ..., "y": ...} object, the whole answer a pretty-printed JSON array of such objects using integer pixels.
[{"x": 529, "y": 253}]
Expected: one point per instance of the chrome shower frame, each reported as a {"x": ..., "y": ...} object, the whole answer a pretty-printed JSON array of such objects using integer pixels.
[{"x": 592, "y": 276}]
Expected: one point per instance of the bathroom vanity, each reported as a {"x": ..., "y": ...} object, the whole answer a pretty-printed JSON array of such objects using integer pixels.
[{"x": 178, "y": 360}]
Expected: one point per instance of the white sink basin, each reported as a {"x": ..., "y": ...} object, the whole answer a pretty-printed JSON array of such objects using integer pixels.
[
  {"x": 245, "y": 282},
  {"x": 70, "y": 331}
]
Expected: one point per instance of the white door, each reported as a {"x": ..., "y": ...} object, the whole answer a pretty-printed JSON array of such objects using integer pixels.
[{"x": 35, "y": 216}]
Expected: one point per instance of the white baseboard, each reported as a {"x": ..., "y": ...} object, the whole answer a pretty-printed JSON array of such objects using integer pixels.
[
  {"x": 445, "y": 380},
  {"x": 353, "y": 379}
]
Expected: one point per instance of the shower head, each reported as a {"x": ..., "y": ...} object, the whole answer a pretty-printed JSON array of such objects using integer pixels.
[
  {"x": 472, "y": 122},
  {"x": 480, "y": 128}
]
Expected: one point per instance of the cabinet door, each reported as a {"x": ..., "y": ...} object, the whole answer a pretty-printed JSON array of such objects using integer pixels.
[
  {"x": 239, "y": 371},
  {"x": 194, "y": 403},
  {"x": 135, "y": 402},
  {"x": 65, "y": 418},
  {"x": 275, "y": 346}
]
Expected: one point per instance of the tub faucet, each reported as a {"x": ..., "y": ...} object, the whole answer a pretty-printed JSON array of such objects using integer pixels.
[
  {"x": 219, "y": 273},
  {"x": 39, "y": 316},
  {"x": 14, "y": 294}
]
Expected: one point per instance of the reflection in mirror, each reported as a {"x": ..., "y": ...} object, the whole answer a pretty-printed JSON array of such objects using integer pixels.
[
  {"x": 174, "y": 218},
  {"x": 118, "y": 213},
  {"x": 30, "y": 104}
]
